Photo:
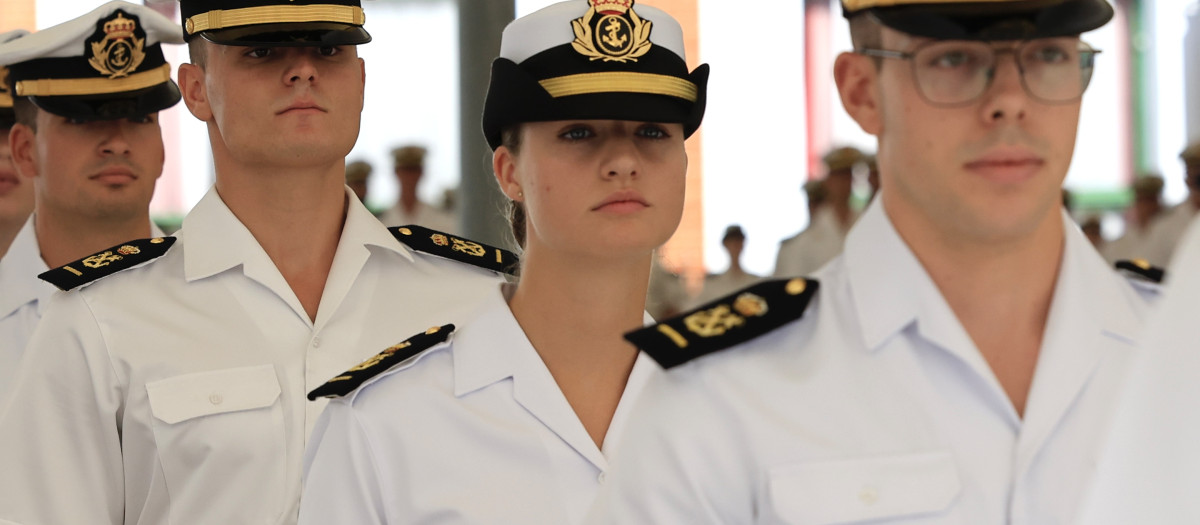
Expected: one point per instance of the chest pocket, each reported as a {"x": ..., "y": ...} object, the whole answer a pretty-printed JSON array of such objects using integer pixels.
[
  {"x": 221, "y": 438},
  {"x": 866, "y": 489}
]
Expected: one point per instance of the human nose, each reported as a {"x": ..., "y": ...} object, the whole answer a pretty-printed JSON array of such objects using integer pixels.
[
  {"x": 301, "y": 67},
  {"x": 116, "y": 139},
  {"x": 1006, "y": 98},
  {"x": 624, "y": 159}
]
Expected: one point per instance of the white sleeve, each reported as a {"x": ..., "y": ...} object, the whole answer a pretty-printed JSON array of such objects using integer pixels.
[
  {"x": 342, "y": 483},
  {"x": 60, "y": 444},
  {"x": 678, "y": 462}
]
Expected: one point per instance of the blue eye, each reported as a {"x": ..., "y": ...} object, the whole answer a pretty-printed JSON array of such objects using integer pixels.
[
  {"x": 577, "y": 133},
  {"x": 653, "y": 131},
  {"x": 1050, "y": 54},
  {"x": 951, "y": 59}
]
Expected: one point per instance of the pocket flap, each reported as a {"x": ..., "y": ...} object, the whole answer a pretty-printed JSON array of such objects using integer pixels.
[
  {"x": 184, "y": 397},
  {"x": 852, "y": 490}
]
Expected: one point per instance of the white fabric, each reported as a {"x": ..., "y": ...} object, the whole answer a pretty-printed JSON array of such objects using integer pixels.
[
  {"x": 425, "y": 215},
  {"x": 65, "y": 39},
  {"x": 474, "y": 430},
  {"x": 1167, "y": 232},
  {"x": 1151, "y": 471},
  {"x": 23, "y": 298},
  {"x": 1133, "y": 244},
  {"x": 808, "y": 251},
  {"x": 174, "y": 392},
  {"x": 876, "y": 406},
  {"x": 551, "y": 27}
]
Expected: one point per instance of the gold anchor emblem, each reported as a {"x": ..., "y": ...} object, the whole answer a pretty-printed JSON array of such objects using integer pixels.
[
  {"x": 469, "y": 248},
  {"x": 120, "y": 52},
  {"x": 614, "y": 39},
  {"x": 713, "y": 322},
  {"x": 101, "y": 260},
  {"x": 620, "y": 35}
]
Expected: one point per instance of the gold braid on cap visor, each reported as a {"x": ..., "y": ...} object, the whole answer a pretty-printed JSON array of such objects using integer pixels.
[
  {"x": 62, "y": 87},
  {"x": 620, "y": 82},
  {"x": 275, "y": 14}
]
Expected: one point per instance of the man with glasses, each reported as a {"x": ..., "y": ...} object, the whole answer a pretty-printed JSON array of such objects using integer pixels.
[{"x": 963, "y": 355}]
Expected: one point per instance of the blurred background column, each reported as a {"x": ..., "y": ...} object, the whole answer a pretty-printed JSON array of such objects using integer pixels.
[{"x": 483, "y": 207}]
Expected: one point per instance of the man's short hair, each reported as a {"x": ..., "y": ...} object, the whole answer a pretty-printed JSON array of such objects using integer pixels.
[
  {"x": 25, "y": 112},
  {"x": 198, "y": 52},
  {"x": 865, "y": 32}
]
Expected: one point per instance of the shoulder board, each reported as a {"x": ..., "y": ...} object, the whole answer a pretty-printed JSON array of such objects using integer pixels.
[
  {"x": 434, "y": 242},
  {"x": 1141, "y": 269},
  {"x": 107, "y": 262},
  {"x": 731, "y": 320},
  {"x": 350, "y": 380}
]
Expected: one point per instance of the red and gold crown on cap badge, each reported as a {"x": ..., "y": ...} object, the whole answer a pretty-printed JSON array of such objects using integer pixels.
[{"x": 612, "y": 31}]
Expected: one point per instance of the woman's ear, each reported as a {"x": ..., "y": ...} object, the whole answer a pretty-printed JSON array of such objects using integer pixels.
[
  {"x": 857, "y": 78},
  {"x": 504, "y": 165}
]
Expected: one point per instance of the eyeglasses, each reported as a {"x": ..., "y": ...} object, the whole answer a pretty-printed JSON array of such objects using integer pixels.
[{"x": 953, "y": 73}]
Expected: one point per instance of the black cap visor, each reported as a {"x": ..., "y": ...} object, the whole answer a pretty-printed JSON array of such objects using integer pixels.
[
  {"x": 515, "y": 96},
  {"x": 115, "y": 106},
  {"x": 317, "y": 34},
  {"x": 7, "y": 118},
  {"x": 996, "y": 20}
]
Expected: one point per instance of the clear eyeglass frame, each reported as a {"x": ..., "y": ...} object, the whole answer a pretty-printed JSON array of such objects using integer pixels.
[{"x": 978, "y": 77}]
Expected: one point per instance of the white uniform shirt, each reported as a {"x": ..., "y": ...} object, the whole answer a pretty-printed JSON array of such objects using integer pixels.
[
  {"x": 23, "y": 297},
  {"x": 474, "y": 430},
  {"x": 174, "y": 392},
  {"x": 1151, "y": 471},
  {"x": 876, "y": 406},
  {"x": 424, "y": 215},
  {"x": 812, "y": 248}
]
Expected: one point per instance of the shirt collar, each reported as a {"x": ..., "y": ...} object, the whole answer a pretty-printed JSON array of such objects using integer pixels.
[
  {"x": 215, "y": 240},
  {"x": 19, "y": 270},
  {"x": 890, "y": 289}
]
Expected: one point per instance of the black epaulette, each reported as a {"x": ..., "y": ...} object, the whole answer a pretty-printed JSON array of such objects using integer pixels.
[
  {"x": 1142, "y": 269},
  {"x": 731, "y": 320},
  {"x": 350, "y": 380},
  {"x": 449, "y": 246},
  {"x": 107, "y": 262}
]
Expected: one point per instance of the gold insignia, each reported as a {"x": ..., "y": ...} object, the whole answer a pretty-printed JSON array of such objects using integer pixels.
[
  {"x": 405, "y": 231},
  {"x": 120, "y": 52},
  {"x": 750, "y": 305},
  {"x": 468, "y": 247},
  {"x": 433, "y": 330},
  {"x": 74, "y": 271},
  {"x": 374, "y": 360},
  {"x": 157, "y": 240},
  {"x": 440, "y": 239},
  {"x": 796, "y": 286},
  {"x": 1141, "y": 263},
  {"x": 674, "y": 336},
  {"x": 128, "y": 250},
  {"x": 397, "y": 348},
  {"x": 619, "y": 35},
  {"x": 101, "y": 260},
  {"x": 713, "y": 322}
]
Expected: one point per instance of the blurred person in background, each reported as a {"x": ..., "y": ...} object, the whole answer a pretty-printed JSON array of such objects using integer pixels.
[
  {"x": 734, "y": 278},
  {"x": 828, "y": 225},
  {"x": 409, "y": 167},
  {"x": 1140, "y": 219},
  {"x": 16, "y": 195},
  {"x": 1169, "y": 228},
  {"x": 357, "y": 174}
]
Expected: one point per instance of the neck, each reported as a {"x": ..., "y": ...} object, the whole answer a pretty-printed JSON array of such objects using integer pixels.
[
  {"x": 843, "y": 214},
  {"x": 408, "y": 199},
  {"x": 8, "y": 233},
  {"x": 63, "y": 237},
  {"x": 295, "y": 214}
]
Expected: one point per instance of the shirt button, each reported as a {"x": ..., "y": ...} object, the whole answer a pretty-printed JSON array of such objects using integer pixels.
[
  {"x": 601, "y": 478},
  {"x": 868, "y": 495},
  {"x": 316, "y": 342},
  {"x": 216, "y": 399}
]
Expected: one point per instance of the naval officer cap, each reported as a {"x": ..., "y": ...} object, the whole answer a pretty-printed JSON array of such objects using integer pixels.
[
  {"x": 7, "y": 118},
  {"x": 985, "y": 19},
  {"x": 275, "y": 22},
  {"x": 593, "y": 59},
  {"x": 105, "y": 65}
]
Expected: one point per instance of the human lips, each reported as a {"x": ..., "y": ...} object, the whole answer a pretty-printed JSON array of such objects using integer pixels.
[
  {"x": 625, "y": 201},
  {"x": 1007, "y": 165},
  {"x": 114, "y": 175},
  {"x": 8, "y": 181},
  {"x": 305, "y": 105}
]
